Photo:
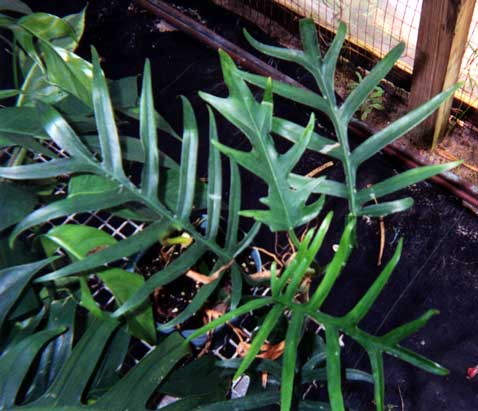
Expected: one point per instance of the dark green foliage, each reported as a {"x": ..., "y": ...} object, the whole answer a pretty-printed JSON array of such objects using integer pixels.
[
  {"x": 109, "y": 187},
  {"x": 373, "y": 102},
  {"x": 283, "y": 301},
  {"x": 67, "y": 101},
  {"x": 13, "y": 281},
  {"x": 322, "y": 69},
  {"x": 87, "y": 377},
  {"x": 286, "y": 201}
]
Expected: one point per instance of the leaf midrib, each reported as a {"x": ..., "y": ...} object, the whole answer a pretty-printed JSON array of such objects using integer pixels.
[
  {"x": 160, "y": 209},
  {"x": 272, "y": 169}
]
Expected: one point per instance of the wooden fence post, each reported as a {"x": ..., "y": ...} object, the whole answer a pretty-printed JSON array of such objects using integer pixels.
[{"x": 442, "y": 40}]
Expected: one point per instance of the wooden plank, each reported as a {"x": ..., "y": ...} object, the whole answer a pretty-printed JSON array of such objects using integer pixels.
[{"x": 442, "y": 39}]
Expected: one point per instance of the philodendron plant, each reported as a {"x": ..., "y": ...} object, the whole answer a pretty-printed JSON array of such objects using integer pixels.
[
  {"x": 283, "y": 302},
  {"x": 257, "y": 122},
  {"x": 290, "y": 193},
  {"x": 166, "y": 199}
]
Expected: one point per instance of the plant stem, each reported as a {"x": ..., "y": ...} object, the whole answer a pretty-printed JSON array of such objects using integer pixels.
[
  {"x": 19, "y": 153},
  {"x": 350, "y": 172},
  {"x": 161, "y": 210},
  {"x": 294, "y": 238},
  {"x": 341, "y": 131}
]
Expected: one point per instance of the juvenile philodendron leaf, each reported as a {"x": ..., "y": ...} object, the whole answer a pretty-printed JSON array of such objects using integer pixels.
[
  {"x": 15, "y": 203},
  {"x": 284, "y": 291},
  {"x": 68, "y": 71},
  {"x": 187, "y": 176},
  {"x": 77, "y": 23},
  {"x": 61, "y": 314},
  {"x": 323, "y": 71},
  {"x": 46, "y": 26},
  {"x": 149, "y": 137},
  {"x": 398, "y": 128},
  {"x": 105, "y": 121},
  {"x": 43, "y": 52},
  {"x": 13, "y": 281},
  {"x": 286, "y": 205},
  {"x": 16, "y": 6},
  {"x": 390, "y": 207},
  {"x": 294, "y": 334},
  {"x": 79, "y": 241},
  {"x": 403, "y": 180},
  {"x": 16, "y": 362}
]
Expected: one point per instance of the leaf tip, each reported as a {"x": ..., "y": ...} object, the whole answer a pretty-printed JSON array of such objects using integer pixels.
[
  {"x": 342, "y": 27},
  {"x": 248, "y": 37},
  {"x": 95, "y": 56},
  {"x": 306, "y": 22},
  {"x": 12, "y": 238}
]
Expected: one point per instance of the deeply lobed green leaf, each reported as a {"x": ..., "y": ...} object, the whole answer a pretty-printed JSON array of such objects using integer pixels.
[
  {"x": 323, "y": 71},
  {"x": 286, "y": 205}
]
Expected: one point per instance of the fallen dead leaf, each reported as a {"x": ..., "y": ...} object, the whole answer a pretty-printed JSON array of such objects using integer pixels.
[
  {"x": 382, "y": 236},
  {"x": 208, "y": 279},
  {"x": 272, "y": 351},
  {"x": 262, "y": 275},
  {"x": 319, "y": 169},
  {"x": 268, "y": 351}
]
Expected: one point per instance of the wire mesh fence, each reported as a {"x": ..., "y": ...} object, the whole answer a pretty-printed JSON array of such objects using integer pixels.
[
  {"x": 469, "y": 66},
  {"x": 374, "y": 26}
]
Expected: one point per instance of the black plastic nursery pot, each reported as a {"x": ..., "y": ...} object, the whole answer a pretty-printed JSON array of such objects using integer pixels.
[{"x": 439, "y": 265}]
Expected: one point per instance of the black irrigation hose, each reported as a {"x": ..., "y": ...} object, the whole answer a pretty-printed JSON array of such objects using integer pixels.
[{"x": 453, "y": 183}]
